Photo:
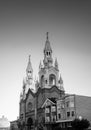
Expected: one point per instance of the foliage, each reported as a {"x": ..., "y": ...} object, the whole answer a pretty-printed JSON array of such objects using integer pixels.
[{"x": 82, "y": 124}]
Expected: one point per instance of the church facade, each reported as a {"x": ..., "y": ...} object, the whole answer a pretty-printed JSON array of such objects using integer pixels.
[
  {"x": 48, "y": 89},
  {"x": 43, "y": 101}
]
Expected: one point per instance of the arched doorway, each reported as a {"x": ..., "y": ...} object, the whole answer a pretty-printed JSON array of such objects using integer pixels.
[{"x": 29, "y": 123}]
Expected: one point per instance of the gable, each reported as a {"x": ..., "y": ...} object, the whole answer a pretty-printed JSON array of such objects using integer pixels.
[
  {"x": 30, "y": 93},
  {"x": 47, "y": 102}
]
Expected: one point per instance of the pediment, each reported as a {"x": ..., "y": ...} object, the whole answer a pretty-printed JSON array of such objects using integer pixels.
[{"x": 47, "y": 102}]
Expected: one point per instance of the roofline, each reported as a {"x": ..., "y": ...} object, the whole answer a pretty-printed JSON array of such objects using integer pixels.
[{"x": 45, "y": 102}]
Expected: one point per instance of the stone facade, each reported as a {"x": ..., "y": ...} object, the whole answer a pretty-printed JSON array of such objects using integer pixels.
[
  {"x": 49, "y": 86},
  {"x": 43, "y": 100}
]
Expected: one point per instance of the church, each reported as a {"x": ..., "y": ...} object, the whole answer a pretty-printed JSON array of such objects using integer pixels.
[
  {"x": 48, "y": 89},
  {"x": 43, "y": 102}
]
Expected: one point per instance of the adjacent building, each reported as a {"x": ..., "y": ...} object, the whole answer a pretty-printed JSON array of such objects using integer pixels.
[
  {"x": 44, "y": 101},
  {"x": 4, "y": 123},
  {"x": 71, "y": 107}
]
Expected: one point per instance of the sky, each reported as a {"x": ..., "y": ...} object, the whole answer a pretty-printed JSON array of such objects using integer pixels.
[{"x": 23, "y": 27}]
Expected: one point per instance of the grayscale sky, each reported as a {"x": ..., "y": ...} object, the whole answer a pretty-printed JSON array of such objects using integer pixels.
[{"x": 23, "y": 27}]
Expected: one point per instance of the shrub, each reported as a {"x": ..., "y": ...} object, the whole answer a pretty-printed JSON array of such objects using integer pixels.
[{"x": 82, "y": 124}]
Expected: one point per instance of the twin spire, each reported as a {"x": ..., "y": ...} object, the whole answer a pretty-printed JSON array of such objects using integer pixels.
[
  {"x": 29, "y": 70},
  {"x": 48, "y": 61}
]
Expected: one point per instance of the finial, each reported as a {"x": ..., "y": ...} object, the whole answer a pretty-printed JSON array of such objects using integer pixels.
[
  {"x": 56, "y": 63},
  {"x": 47, "y": 35},
  {"x": 40, "y": 65},
  {"x": 29, "y": 66},
  {"x": 29, "y": 57},
  {"x": 61, "y": 81}
]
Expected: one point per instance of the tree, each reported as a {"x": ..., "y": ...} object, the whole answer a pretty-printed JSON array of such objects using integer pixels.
[{"x": 82, "y": 124}]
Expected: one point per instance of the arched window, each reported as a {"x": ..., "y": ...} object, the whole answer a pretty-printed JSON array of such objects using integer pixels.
[
  {"x": 42, "y": 80},
  {"x": 52, "y": 79},
  {"x": 47, "y": 53}
]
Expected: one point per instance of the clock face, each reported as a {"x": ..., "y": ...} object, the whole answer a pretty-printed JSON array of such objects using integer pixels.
[{"x": 30, "y": 106}]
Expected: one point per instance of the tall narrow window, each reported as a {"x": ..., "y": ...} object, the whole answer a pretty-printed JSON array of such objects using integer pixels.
[
  {"x": 67, "y": 104},
  {"x": 52, "y": 79},
  {"x": 59, "y": 116},
  {"x": 68, "y": 114},
  {"x": 73, "y": 113}
]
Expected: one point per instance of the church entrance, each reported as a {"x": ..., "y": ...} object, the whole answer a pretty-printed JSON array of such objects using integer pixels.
[{"x": 29, "y": 124}]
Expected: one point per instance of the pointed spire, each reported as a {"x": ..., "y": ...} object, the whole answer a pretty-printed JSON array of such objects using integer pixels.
[
  {"x": 29, "y": 57},
  {"x": 29, "y": 66},
  {"x": 40, "y": 65},
  {"x": 47, "y": 44},
  {"x": 47, "y": 53},
  {"x": 47, "y": 38},
  {"x": 56, "y": 63},
  {"x": 61, "y": 81},
  {"x": 61, "y": 84}
]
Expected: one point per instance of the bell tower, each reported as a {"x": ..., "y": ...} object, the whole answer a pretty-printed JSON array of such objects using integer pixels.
[
  {"x": 29, "y": 72},
  {"x": 48, "y": 72},
  {"x": 47, "y": 53},
  {"x": 28, "y": 80}
]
